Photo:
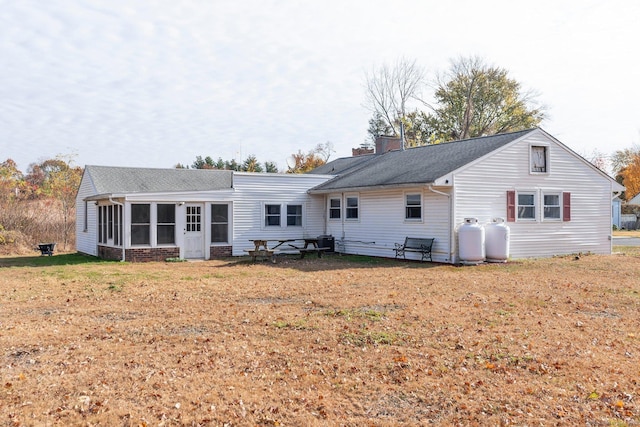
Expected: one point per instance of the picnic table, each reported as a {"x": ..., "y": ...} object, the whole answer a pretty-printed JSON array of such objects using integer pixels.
[{"x": 284, "y": 246}]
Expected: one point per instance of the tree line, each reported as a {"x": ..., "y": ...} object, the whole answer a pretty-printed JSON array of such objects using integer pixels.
[
  {"x": 298, "y": 162},
  {"x": 39, "y": 206}
]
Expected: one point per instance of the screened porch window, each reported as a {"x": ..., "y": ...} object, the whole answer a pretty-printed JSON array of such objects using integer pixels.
[
  {"x": 166, "y": 226},
  {"x": 140, "y": 224},
  {"x": 219, "y": 223}
]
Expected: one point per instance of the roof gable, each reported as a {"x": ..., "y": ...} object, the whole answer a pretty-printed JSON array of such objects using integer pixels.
[
  {"x": 419, "y": 165},
  {"x": 124, "y": 180}
]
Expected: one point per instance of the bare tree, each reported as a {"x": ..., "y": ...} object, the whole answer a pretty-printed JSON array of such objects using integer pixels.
[{"x": 390, "y": 89}]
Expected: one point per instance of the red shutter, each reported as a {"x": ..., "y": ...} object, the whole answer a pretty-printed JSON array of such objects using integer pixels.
[
  {"x": 566, "y": 206},
  {"x": 511, "y": 206}
]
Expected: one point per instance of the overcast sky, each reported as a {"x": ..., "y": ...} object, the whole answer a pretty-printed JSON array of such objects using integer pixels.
[{"x": 153, "y": 83}]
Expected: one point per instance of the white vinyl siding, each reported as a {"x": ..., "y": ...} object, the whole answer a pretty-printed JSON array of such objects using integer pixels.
[
  {"x": 86, "y": 234},
  {"x": 382, "y": 224},
  {"x": 253, "y": 190},
  {"x": 481, "y": 192}
]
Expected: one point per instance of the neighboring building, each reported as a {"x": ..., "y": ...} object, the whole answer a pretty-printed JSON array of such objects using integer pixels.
[
  {"x": 616, "y": 212},
  {"x": 139, "y": 214},
  {"x": 635, "y": 200},
  {"x": 554, "y": 201}
]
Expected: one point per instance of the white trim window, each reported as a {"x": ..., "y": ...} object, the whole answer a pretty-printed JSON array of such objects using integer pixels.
[
  {"x": 272, "y": 215},
  {"x": 539, "y": 159},
  {"x": 413, "y": 207},
  {"x": 526, "y": 205},
  {"x": 294, "y": 215},
  {"x": 352, "y": 208},
  {"x": 551, "y": 206},
  {"x": 335, "y": 208}
]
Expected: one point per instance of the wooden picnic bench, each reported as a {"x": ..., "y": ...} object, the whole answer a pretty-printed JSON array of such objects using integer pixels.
[
  {"x": 415, "y": 244},
  {"x": 311, "y": 245},
  {"x": 260, "y": 250},
  {"x": 284, "y": 246}
]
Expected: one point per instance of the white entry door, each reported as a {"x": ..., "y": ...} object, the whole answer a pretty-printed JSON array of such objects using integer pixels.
[{"x": 193, "y": 233}]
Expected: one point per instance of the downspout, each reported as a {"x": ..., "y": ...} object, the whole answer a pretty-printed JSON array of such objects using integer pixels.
[
  {"x": 122, "y": 222},
  {"x": 430, "y": 187}
]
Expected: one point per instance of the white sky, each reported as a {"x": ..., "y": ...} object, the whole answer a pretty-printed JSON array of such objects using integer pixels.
[{"x": 153, "y": 83}]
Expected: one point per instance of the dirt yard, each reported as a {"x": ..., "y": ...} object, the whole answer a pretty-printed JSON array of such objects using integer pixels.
[{"x": 347, "y": 341}]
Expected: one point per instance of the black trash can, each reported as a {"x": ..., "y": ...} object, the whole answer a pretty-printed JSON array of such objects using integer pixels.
[{"x": 327, "y": 241}]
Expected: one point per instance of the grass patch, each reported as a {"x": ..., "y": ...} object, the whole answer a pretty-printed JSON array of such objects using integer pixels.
[
  {"x": 359, "y": 313},
  {"x": 296, "y": 325},
  {"x": 46, "y": 261},
  {"x": 363, "y": 338}
]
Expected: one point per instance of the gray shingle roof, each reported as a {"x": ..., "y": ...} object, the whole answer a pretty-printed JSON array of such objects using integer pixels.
[
  {"x": 419, "y": 165},
  {"x": 122, "y": 180}
]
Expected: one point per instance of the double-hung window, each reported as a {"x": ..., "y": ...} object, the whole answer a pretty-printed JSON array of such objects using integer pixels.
[
  {"x": 335, "y": 208},
  {"x": 352, "y": 210},
  {"x": 294, "y": 215},
  {"x": 551, "y": 208},
  {"x": 527, "y": 206},
  {"x": 413, "y": 207},
  {"x": 272, "y": 215}
]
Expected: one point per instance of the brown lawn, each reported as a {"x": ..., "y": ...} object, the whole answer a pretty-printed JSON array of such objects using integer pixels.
[{"x": 334, "y": 341}]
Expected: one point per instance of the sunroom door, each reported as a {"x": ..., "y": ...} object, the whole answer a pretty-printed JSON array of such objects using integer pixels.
[{"x": 193, "y": 232}]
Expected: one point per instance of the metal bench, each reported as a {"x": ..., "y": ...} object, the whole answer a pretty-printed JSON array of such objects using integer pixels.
[
  {"x": 46, "y": 248},
  {"x": 415, "y": 244}
]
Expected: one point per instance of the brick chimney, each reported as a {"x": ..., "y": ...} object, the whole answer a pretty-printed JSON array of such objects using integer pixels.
[
  {"x": 388, "y": 143},
  {"x": 361, "y": 151}
]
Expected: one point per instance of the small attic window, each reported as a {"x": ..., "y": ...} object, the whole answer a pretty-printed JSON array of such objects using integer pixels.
[{"x": 539, "y": 159}]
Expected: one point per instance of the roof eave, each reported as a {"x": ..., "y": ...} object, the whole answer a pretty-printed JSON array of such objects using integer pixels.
[{"x": 368, "y": 188}]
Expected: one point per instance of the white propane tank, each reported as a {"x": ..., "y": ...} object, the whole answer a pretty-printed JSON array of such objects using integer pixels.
[
  {"x": 471, "y": 242},
  {"x": 497, "y": 240}
]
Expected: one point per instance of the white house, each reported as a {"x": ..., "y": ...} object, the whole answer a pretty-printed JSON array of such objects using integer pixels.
[
  {"x": 554, "y": 201},
  {"x": 139, "y": 214}
]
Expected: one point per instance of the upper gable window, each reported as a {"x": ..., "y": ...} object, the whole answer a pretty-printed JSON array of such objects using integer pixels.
[{"x": 539, "y": 159}]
